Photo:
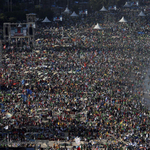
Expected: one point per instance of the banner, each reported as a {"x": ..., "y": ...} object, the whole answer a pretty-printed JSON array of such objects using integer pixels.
[{"x": 18, "y": 31}]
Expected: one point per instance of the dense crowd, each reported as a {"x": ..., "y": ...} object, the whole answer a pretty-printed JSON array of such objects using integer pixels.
[{"x": 94, "y": 89}]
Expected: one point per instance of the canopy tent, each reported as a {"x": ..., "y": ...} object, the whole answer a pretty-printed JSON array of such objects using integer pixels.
[
  {"x": 46, "y": 20},
  {"x": 127, "y": 4},
  {"x": 67, "y": 11},
  {"x": 122, "y": 20},
  {"x": 103, "y": 9},
  {"x": 97, "y": 27},
  {"x": 141, "y": 14},
  {"x": 19, "y": 26},
  {"x": 74, "y": 14}
]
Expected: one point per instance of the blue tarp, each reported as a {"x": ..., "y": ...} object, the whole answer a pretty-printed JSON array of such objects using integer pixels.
[
  {"x": 29, "y": 92},
  {"x": 141, "y": 33},
  {"x": 2, "y": 107},
  {"x": 24, "y": 97},
  {"x": 23, "y": 82}
]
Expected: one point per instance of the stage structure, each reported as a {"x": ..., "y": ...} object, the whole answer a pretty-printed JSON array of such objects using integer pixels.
[
  {"x": 31, "y": 17},
  {"x": 19, "y": 32}
]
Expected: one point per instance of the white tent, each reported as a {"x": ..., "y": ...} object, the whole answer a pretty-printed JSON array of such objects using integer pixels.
[
  {"x": 127, "y": 4},
  {"x": 46, "y": 20},
  {"x": 67, "y": 10},
  {"x": 103, "y": 9},
  {"x": 74, "y": 14},
  {"x": 122, "y": 20},
  {"x": 19, "y": 25},
  {"x": 97, "y": 27},
  {"x": 141, "y": 14}
]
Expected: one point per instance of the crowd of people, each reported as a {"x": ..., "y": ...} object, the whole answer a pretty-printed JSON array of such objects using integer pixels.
[{"x": 93, "y": 89}]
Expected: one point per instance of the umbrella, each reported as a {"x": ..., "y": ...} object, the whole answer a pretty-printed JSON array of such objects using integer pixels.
[
  {"x": 8, "y": 115},
  {"x": 68, "y": 110},
  {"x": 44, "y": 145},
  {"x": 48, "y": 117},
  {"x": 11, "y": 65}
]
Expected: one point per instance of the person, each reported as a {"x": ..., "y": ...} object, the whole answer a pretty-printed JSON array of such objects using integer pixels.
[{"x": 60, "y": 85}]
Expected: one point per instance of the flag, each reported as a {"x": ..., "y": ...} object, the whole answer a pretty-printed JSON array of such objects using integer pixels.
[
  {"x": 4, "y": 47},
  {"x": 29, "y": 92},
  {"x": 79, "y": 147},
  {"x": 22, "y": 82}
]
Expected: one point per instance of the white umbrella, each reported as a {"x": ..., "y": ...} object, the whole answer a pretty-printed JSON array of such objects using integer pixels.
[
  {"x": 122, "y": 20},
  {"x": 36, "y": 116},
  {"x": 44, "y": 145},
  {"x": 6, "y": 127},
  {"x": 7, "y": 59},
  {"x": 8, "y": 115},
  {"x": 103, "y": 9},
  {"x": 11, "y": 64}
]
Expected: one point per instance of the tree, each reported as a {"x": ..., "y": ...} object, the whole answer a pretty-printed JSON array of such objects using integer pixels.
[
  {"x": 95, "y": 4},
  {"x": 12, "y": 19},
  {"x": 45, "y": 12},
  {"x": 2, "y": 18},
  {"x": 75, "y": 8}
]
